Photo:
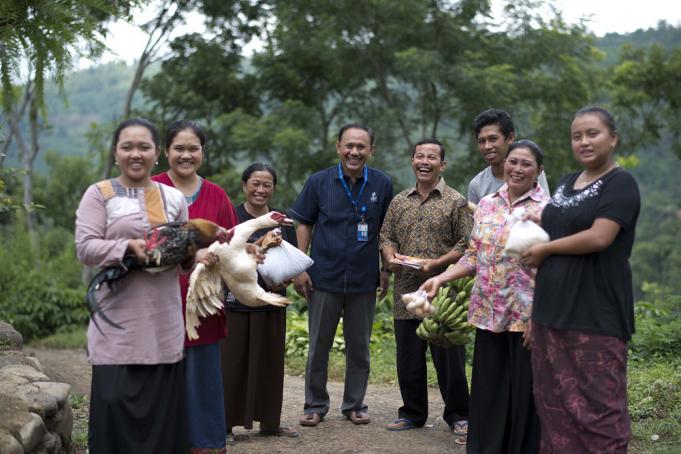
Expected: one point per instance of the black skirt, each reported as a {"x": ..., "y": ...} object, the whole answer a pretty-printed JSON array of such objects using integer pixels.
[
  {"x": 138, "y": 409},
  {"x": 253, "y": 368}
]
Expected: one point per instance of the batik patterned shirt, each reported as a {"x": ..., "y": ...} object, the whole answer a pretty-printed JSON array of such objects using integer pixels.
[
  {"x": 427, "y": 229},
  {"x": 501, "y": 298}
]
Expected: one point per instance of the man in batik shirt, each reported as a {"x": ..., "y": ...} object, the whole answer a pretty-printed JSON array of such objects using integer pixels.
[{"x": 430, "y": 222}]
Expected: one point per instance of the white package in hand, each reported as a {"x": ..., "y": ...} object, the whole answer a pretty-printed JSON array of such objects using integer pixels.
[
  {"x": 282, "y": 263},
  {"x": 523, "y": 235}
]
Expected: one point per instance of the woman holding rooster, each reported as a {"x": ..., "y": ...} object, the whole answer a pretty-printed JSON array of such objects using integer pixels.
[{"x": 137, "y": 401}]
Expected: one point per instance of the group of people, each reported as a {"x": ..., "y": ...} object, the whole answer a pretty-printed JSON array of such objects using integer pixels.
[{"x": 550, "y": 351}]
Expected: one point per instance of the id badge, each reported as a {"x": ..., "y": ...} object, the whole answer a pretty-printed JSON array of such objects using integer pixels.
[{"x": 362, "y": 231}]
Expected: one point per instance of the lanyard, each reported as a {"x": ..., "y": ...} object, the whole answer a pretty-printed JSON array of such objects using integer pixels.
[{"x": 347, "y": 189}]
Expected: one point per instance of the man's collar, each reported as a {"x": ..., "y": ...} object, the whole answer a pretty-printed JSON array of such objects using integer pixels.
[
  {"x": 439, "y": 187},
  {"x": 345, "y": 174}
]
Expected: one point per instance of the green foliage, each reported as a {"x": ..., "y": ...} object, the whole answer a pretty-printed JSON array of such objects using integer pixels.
[
  {"x": 6, "y": 201},
  {"x": 645, "y": 86},
  {"x": 658, "y": 324},
  {"x": 40, "y": 301},
  {"x": 65, "y": 337},
  {"x": 297, "y": 343},
  {"x": 60, "y": 191}
]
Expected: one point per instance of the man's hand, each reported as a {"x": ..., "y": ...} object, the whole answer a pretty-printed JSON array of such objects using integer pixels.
[
  {"x": 430, "y": 267},
  {"x": 384, "y": 282},
  {"x": 303, "y": 284}
]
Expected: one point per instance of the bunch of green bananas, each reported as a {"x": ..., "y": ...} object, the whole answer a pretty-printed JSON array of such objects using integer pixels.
[{"x": 449, "y": 325}]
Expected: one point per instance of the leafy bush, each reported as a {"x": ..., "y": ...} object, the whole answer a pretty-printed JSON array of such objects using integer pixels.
[
  {"x": 658, "y": 325},
  {"x": 39, "y": 299},
  {"x": 297, "y": 328}
]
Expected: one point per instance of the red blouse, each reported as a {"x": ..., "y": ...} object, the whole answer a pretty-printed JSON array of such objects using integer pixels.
[{"x": 213, "y": 204}]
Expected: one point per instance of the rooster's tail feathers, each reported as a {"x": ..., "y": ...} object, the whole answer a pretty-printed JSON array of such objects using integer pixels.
[{"x": 109, "y": 276}]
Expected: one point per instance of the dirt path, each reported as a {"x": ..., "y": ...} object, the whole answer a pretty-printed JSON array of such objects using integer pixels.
[{"x": 334, "y": 435}]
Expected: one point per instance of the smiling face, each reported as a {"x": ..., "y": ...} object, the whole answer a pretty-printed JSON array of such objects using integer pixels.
[
  {"x": 259, "y": 188},
  {"x": 493, "y": 145},
  {"x": 521, "y": 170},
  {"x": 427, "y": 164},
  {"x": 135, "y": 153},
  {"x": 354, "y": 149},
  {"x": 185, "y": 154},
  {"x": 592, "y": 142}
]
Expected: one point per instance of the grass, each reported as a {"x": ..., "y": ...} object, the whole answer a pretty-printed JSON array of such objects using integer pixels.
[
  {"x": 655, "y": 406},
  {"x": 80, "y": 406},
  {"x": 68, "y": 337}
]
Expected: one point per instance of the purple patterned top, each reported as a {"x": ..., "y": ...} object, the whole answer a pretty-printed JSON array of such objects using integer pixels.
[{"x": 501, "y": 298}]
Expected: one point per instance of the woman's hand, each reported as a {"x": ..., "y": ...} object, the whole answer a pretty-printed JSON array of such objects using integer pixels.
[
  {"x": 139, "y": 249},
  {"x": 255, "y": 251},
  {"x": 527, "y": 335},
  {"x": 536, "y": 218},
  {"x": 431, "y": 286},
  {"x": 206, "y": 257},
  {"x": 535, "y": 255}
]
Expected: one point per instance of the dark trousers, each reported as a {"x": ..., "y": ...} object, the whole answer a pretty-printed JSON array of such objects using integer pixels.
[
  {"x": 503, "y": 417},
  {"x": 324, "y": 313},
  {"x": 412, "y": 376}
]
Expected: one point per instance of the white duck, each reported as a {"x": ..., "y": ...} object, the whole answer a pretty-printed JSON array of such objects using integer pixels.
[{"x": 237, "y": 268}]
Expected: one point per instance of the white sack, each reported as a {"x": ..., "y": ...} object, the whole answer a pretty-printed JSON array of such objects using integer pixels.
[
  {"x": 282, "y": 263},
  {"x": 523, "y": 235}
]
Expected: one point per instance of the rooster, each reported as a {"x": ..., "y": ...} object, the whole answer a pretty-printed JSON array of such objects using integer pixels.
[
  {"x": 237, "y": 268},
  {"x": 167, "y": 245}
]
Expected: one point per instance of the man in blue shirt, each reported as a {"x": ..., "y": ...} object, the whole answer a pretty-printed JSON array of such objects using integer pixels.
[{"x": 340, "y": 211}]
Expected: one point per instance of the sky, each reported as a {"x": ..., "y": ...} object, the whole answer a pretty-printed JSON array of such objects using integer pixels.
[{"x": 126, "y": 41}]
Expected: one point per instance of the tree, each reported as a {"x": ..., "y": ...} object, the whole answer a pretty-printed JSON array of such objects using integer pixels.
[
  {"x": 645, "y": 87},
  {"x": 38, "y": 38},
  {"x": 408, "y": 69},
  {"x": 170, "y": 13}
]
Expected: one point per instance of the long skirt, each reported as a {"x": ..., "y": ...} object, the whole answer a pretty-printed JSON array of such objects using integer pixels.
[
  {"x": 205, "y": 404},
  {"x": 502, "y": 418},
  {"x": 138, "y": 409},
  {"x": 580, "y": 391},
  {"x": 253, "y": 368}
]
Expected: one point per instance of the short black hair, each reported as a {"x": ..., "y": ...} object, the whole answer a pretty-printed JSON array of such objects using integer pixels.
[
  {"x": 357, "y": 126},
  {"x": 533, "y": 147},
  {"x": 155, "y": 136},
  {"x": 432, "y": 140},
  {"x": 257, "y": 167},
  {"x": 177, "y": 127},
  {"x": 497, "y": 117}
]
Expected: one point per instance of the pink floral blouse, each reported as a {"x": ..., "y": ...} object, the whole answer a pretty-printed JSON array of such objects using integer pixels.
[{"x": 501, "y": 298}]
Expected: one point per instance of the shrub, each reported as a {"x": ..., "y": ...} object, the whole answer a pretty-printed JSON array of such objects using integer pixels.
[
  {"x": 658, "y": 326},
  {"x": 39, "y": 299}
]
